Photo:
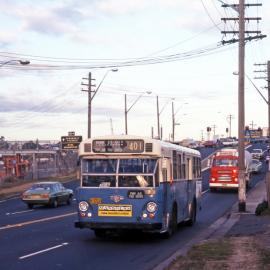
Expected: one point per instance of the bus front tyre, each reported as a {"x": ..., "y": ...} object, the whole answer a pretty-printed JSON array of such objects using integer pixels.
[{"x": 172, "y": 225}]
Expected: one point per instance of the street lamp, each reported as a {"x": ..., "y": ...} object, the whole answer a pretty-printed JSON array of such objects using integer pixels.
[
  {"x": 90, "y": 97},
  {"x": 128, "y": 109},
  {"x": 173, "y": 118},
  {"x": 21, "y": 62}
]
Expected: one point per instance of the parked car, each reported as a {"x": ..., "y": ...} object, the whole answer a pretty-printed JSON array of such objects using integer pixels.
[
  {"x": 257, "y": 153},
  {"x": 209, "y": 144},
  {"x": 47, "y": 193},
  {"x": 229, "y": 142},
  {"x": 255, "y": 166}
]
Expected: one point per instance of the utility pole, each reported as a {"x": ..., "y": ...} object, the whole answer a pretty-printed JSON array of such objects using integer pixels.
[
  {"x": 128, "y": 109},
  {"x": 252, "y": 125},
  {"x": 126, "y": 112},
  {"x": 241, "y": 109},
  {"x": 90, "y": 97},
  {"x": 173, "y": 121},
  {"x": 229, "y": 119},
  {"x": 111, "y": 126},
  {"x": 214, "y": 130},
  {"x": 89, "y": 85},
  {"x": 158, "y": 125},
  {"x": 240, "y": 9},
  {"x": 268, "y": 104}
]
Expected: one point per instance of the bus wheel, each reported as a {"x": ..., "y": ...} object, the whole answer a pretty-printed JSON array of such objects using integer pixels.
[
  {"x": 100, "y": 233},
  {"x": 192, "y": 217},
  {"x": 172, "y": 224}
]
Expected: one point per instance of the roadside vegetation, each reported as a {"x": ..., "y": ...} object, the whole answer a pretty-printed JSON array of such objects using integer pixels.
[{"x": 239, "y": 253}]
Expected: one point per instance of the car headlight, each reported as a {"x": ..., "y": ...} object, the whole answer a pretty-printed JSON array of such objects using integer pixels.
[
  {"x": 83, "y": 206},
  {"x": 151, "y": 207}
]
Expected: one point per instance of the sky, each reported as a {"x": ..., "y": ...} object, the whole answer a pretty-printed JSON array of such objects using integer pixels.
[{"x": 170, "y": 49}]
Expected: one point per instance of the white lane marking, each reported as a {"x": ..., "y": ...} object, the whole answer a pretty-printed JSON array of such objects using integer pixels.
[
  {"x": 206, "y": 168},
  {"x": 3, "y": 201},
  {"x": 42, "y": 251},
  {"x": 205, "y": 191},
  {"x": 20, "y": 212},
  {"x": 35, "y": 221}
]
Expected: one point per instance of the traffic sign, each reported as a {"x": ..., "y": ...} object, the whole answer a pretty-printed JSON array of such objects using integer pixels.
[{"x": 70, "y": 142}]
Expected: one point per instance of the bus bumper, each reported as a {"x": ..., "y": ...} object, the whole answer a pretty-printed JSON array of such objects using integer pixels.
[{"x": 111, "y": 225}]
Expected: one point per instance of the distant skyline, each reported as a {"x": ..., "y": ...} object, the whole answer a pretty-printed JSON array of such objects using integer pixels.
[{"x": 67, "y": 39}]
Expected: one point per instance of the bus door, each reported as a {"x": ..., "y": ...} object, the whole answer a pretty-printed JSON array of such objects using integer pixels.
[
  {"x": 190, "y": 183},
  {"x": 166, "y": 176}
]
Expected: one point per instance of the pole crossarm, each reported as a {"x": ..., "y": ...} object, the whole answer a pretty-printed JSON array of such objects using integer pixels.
[
  {"x": 257, "y": 89},
  {"x": 137, "y": 99},
  {"x": 21, "y": 62}
]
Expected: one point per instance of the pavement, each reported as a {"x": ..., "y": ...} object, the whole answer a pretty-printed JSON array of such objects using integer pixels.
[{"x": 232, "y": 224}]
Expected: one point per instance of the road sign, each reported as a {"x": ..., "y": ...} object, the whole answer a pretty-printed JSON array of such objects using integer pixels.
[{"x": 70, "y": 142}]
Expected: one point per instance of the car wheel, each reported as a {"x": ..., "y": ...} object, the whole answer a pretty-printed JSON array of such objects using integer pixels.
[
  {"x": 30, "y": 206},
  {"x": 54, "y": 203},
  {"x": 69, "y": 200}
]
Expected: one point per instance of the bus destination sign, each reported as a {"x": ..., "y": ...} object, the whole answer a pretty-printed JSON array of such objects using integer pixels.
[{"x": 118, "y": 146}]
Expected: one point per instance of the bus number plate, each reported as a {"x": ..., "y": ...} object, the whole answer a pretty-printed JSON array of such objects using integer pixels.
[{"x": 135, "y": 194}]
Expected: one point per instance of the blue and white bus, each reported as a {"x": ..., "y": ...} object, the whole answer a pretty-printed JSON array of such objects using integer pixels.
[{"x": 131, "y": 182}]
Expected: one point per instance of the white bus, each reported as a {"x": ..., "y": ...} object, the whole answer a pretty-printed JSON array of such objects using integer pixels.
[{"x": 131, "y": 182}]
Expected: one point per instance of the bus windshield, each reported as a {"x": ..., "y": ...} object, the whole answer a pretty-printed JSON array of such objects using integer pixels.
[{"x": 134, "y": 172}]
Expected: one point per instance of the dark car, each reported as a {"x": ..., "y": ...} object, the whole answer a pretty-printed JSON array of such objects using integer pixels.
[{"x": 47, "y": 193}]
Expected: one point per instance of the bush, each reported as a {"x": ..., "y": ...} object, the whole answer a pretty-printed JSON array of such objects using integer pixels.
[{"x": 261, "y": 207}]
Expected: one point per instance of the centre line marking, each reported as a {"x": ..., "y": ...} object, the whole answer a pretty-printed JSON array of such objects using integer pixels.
[
  {"x": 14, "y": 213},
  {"x": 35, "y": 221},
  {"x": 42, "y": 251}
]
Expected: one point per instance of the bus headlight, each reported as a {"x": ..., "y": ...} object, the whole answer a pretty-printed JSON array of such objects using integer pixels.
[
  {"x": 83, "y": 206},
  {"x": 151, "y": 207}
]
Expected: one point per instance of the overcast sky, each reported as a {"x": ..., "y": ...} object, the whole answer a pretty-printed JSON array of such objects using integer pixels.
[{"x": 170, "y": 48}]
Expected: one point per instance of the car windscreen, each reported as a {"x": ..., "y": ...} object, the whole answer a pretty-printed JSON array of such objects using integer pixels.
[
  {"x": 42, "y": 186},
  {"x": 257, "y": 151}
]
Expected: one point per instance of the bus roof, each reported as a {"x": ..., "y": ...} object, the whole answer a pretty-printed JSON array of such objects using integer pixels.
[{"x": 158, "y": 145}]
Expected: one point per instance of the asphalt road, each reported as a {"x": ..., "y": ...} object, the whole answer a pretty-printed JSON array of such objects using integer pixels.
[{"x": 45, "y": 238}]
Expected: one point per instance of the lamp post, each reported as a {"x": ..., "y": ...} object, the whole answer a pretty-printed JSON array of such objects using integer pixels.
[
  {"x": 90, "y": 97},
  {"x": 128, "y": 109},
  {"x": 21, "y": 62},
  {"x": 174, "y": 123}
]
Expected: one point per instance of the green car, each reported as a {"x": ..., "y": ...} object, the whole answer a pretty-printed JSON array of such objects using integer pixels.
[{"x": 47, "y": 193}]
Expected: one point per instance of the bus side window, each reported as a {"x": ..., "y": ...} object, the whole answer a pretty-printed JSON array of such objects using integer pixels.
[{"x": 164, "y": 175}]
